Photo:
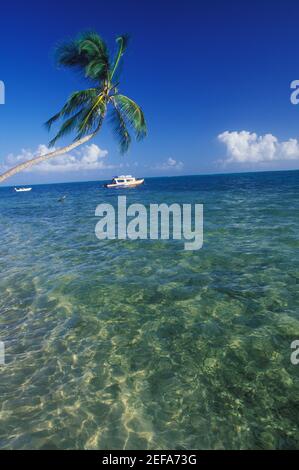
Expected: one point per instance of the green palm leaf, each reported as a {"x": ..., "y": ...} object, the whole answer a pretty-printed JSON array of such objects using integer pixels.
[
  {"x": 92, "y": 117},
  {"x": 93, "y": 45},
  {"x": 122, "y": 46},
  {"x": 133, "y": 114},
  {"x": 76, "y": 100},
  {"x": 68, "y": 55},
  {"x": 95, "y": 49},
  {"x": 88, "y": 53},
  {"x": 120, "y": 129},
  {"x": 67, "y": 127}
]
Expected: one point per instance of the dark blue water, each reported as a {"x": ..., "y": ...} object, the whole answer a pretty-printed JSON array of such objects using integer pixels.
[{"x": 119, "y": 344}]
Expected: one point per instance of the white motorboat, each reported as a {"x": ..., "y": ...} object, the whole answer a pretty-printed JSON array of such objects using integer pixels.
[
  {"x": 22, "y": 190},
  {"x": 127, "y": 181}
]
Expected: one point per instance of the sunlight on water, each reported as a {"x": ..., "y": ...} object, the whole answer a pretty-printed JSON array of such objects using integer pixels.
[{"x": 140, "y": 344}]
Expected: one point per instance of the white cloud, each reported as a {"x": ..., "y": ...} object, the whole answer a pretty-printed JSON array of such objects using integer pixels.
[
  {"x": 246, "y": 147},
  {"x": 170, "y": 164},
  {"x": 88, "y": 157}
]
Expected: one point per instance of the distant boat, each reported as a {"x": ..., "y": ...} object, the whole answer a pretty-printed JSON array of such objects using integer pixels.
[
  {"x": 127, "y": 181},
  {"x": 22, "y": 190}
]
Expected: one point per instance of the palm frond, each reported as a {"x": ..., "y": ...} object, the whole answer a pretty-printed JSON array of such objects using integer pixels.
[
  {"x": 132, "y": 114},
  {"x": 50, "y": 122},
  {"x": 75, "y": 101},
  {"x": 88, "y": 54},
  {"x": 68, "y": 54},
  {"x": 97, "y": 69},
  {"x": 95, "y": 120},
  {"x": 122, "y": 46},
  {"x": 95, "y": 111},
  {"x": 120, "y": 128},
  {"x": 80, "y": 98},
  {"x": 67, "y": 127},
  {"x": 92, "y": 46}
]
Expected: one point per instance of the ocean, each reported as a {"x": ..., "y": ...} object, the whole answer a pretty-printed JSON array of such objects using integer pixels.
[{"x": 122, "y": 344}]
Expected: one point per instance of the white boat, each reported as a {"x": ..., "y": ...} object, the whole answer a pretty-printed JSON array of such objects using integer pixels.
[
  {"x": 22, "y": 190},
  {"x": 127, "y": 181}
]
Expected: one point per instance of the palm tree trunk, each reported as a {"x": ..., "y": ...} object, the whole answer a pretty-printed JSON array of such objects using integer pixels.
[{"x": 42, "y": 158}]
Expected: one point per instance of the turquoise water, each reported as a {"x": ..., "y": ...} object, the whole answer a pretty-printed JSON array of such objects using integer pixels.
[{"x": 141, "y": 344}]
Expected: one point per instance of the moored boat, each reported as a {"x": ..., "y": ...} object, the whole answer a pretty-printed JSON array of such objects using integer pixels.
[
  {"x": 22, "y": 190},
  {"x": 127, "y": 181}
]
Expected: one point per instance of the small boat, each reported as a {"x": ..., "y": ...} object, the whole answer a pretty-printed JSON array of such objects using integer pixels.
[
  {"x": 127, "y": 181},
  {"x": 22, "y": 190}
]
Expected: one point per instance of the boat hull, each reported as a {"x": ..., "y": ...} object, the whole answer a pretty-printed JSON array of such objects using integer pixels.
[
  {"x": 23, "y": 190},
  {"x": 125, "y": 185}
]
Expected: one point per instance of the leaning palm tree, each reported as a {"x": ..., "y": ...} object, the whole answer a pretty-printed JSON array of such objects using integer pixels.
[{"x": 85, "y": 110}]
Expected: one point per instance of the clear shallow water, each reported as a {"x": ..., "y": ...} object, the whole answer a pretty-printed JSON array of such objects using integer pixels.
[{"x": 140, "y": 344}]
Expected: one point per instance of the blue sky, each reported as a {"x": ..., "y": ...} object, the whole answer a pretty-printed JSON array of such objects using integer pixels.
[{"x": 213, "y": 79}]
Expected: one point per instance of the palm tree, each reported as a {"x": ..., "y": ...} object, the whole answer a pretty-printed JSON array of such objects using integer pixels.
[{"x": 85, "y": 110}]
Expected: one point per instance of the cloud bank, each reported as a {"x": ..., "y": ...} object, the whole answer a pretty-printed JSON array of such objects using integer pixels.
[
  {"x": 246, "y": 147},
  {"x": 88, "y": 157}
]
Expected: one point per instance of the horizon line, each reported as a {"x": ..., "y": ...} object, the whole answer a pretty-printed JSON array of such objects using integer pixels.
[{"x": 153, "y": 177}]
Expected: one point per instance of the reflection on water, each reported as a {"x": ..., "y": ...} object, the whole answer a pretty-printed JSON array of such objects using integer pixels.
[{"x": 140, "y": 344}]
